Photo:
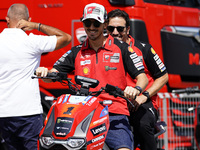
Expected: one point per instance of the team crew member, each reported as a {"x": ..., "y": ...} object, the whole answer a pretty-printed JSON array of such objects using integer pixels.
[
  {"x": 107, "y": 60},
  {"x": 144, "y": 115},
  {"x": 20, "y": 105}
]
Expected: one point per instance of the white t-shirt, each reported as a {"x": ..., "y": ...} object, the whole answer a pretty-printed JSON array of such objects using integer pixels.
[{"x": 19, "y": 57}]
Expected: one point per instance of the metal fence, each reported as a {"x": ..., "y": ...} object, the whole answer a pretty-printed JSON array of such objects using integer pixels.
[{"x": 178, "y": 112}]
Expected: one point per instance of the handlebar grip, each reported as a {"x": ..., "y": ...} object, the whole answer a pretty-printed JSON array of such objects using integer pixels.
[
  {"x": 55, "y": 76},
  {"x": 52, "y": 74},
  {"x": 49, "y": 74},
  {"x": 113, "y": 90}
]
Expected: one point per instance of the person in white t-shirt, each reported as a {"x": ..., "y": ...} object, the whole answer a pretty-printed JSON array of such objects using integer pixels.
[{"x": 20, "y": 102}]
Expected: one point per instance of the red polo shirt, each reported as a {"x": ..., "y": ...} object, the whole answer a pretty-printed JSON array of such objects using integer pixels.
[
  {"x": 153, "y": 66},
  {"x": 108, "y": 65}
]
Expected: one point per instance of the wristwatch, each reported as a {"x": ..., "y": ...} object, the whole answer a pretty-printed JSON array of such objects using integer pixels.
[
  {"x": 146, "y": 93},
  {"x": 138, "y": 88}
]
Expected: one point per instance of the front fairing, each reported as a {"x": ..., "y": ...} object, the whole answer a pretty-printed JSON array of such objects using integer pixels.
[{"x": 81, "y": 117}]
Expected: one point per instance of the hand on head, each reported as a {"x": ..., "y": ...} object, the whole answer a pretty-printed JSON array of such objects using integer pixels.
[{"x": 26, "y": 25}]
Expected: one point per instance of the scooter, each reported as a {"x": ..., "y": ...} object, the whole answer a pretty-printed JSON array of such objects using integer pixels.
[{"x": 78, "y": 121}]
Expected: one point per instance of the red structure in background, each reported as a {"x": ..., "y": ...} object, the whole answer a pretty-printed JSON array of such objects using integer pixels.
[{"x": 171, "y": 26}]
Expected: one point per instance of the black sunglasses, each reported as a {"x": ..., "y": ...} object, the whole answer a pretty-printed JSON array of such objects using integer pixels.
[
  {"x": 119, "y": 28},
  {"x": 88, "y": 23}
]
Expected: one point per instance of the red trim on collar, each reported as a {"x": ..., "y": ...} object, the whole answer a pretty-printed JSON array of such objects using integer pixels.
[
  {"x": 109, "y": 43},
  {"x": 85, "y": 44}
]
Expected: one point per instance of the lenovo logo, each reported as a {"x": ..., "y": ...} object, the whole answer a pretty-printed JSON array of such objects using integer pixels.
[
  {"x": 194, "y": 59},
  {"x": 99, "y": 129}
]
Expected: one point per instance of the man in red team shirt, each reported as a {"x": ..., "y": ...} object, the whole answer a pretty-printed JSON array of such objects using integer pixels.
[
  {"x": 144, "y": 115},
  {"x": 107, "y": 60}
]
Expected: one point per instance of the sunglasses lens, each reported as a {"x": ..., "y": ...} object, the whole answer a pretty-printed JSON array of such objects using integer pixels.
[
  {"x": 110, "y": 28},
  {"x": 120, "y": 29},
  {"x": 96, "y": 24},
  {"x": 87, "y": 23}
]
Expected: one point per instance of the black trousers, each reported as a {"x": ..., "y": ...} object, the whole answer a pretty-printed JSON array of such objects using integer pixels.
[
  {"x": 143, "y": 122},
  {"x": 21, "y": 133}
]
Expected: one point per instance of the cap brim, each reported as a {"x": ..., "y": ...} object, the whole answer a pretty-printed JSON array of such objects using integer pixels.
[{"x": 93, "y": 17}]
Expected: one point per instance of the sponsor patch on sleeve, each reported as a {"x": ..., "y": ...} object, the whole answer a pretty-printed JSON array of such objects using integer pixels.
[
  {"x": 62, "y": 59},
  {"x": 136, "y": 61},
  {"x": 159, "y": 62}
]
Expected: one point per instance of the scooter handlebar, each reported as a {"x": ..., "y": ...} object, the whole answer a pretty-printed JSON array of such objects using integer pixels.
[
  {"x": 114, "y": 90},
  {"x": 55, "y": 76}
]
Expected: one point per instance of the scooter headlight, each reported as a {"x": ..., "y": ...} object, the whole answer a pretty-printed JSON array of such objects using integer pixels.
[
  {"x": 76, "y": 142},
  {"x": 47, "y": 140}
]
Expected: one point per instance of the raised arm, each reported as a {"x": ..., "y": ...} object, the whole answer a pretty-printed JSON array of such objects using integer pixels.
[{"x": 63, "y": 39}]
